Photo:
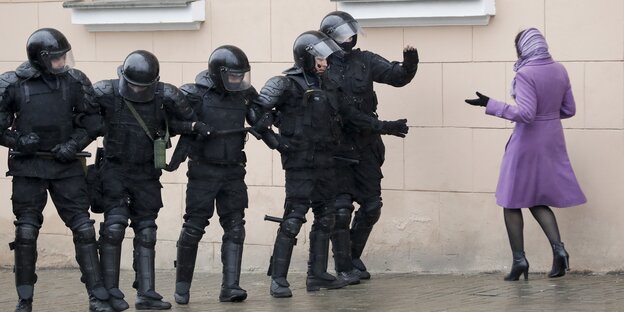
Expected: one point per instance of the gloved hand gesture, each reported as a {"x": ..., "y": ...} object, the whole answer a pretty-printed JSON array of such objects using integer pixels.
[
  {"x": 481, "y": 101},
  {"x": 284, "y": 145},
  {"x": 410, "y": 58},
  {"x": 397, "y": 127},
  {"x": 65, "y": 152},
  {"x": 202, "y": 129},
  {"x": 27, "y": 144}
]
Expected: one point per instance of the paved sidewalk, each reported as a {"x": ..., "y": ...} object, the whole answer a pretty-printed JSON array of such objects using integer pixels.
[{"x": 60, "y": 290}]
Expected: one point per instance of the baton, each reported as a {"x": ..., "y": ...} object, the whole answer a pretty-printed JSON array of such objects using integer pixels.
[
  {"x": 273, "y": 219},
  {"x": 348, "y": 160},
  {"x": 78, "y": 154}
]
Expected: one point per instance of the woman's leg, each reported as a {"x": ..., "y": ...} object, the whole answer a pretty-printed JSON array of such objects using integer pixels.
[
  {"x": 515, "y": 226},
  {"x": 546, "y": 219}
]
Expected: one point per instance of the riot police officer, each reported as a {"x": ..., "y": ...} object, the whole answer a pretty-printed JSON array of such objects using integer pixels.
[
  {"x": 308, "y": 115},
  {"x": 355, "y": 71},
  {"x": 140, "y": 114},
  {"x": 42, "y": 104},
  {"x": 220, "y": 97}
]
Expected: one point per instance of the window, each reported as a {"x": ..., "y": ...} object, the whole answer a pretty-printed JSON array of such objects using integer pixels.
[
  {"x": 137, "y": 15},
  {"x": 399, "y": 13}
]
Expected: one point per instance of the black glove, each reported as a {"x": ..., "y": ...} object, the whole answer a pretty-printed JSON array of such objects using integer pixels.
[
  {"x": 410, "y": 58},
  {"x": 27, "y": 144},
  {"x": 202, "y": 129},
  {"x": 481, "y": 101},
  {"x": 397, "y": 127},
  {"x": 65, "y": 152}
]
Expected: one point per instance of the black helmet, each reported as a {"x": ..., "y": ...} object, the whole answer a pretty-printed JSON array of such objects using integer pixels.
[
  {"x": 49, "y": 51},
  {"x": 229, "y": 69},
  {"x": 341, "y": 26},
  {"x": 312, "y": 44},
  {"x": 138, "y": 76}
]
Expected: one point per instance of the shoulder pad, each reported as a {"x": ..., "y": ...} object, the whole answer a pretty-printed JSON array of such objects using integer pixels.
[
  {"x": 80, "y": 76},
  {"x": 180, "y": 105},
  {"x": 251, "y": 93},
  {"x": 103, "y": 88},
  {"x": 8, "y": 79},
  {"x": 192, "y": 89},
  {"x": 26, "y": 71},
  {"x": 203, "y": 79},
  {"x": 292, "y": 71},
  {"x": 272, "y": 91}
]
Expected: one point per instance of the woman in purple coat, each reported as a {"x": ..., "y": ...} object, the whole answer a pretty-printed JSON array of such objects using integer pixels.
[{"x": 536, "y": 171}]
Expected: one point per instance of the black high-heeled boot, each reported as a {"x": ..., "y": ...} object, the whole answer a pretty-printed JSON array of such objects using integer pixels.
[
  {"x": 561, "y": 261},
  {"x": 520, "y": 265}
]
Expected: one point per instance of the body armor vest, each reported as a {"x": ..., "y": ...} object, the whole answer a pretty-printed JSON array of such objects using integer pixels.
[
  {"x": 125, "y": 139},
  {"x": 45, "y": 108},
  {"x": 312, "y": 118},
  {"x": 355, "y": 78},
  {"x": 222, "y": 113}
]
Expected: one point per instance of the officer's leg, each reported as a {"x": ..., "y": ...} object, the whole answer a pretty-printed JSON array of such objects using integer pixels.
[
  {"x": 145, "y": 203},
  {"x": 70, "y": 198},
  {"x": 112, "y": 232},
  {"x": 324, "y": 220},
  {"x": 363, "y": 222},
  {"x": 29, "y": 199},
  {"x": 231, "y": 204},
  {"x": 294, "y": 217},
  {"x": 199, "y": 209},
  {"x": 341, "y": 240}
]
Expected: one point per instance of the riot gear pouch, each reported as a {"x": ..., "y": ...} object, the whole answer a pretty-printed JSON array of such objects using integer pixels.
[{"x": 161, "y": 141}]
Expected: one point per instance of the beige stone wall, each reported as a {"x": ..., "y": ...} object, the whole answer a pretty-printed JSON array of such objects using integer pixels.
[{"x": 439, "y": 211}]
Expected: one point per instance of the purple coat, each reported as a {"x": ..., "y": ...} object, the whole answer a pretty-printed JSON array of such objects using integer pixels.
[{"x": 536, "y": 169}]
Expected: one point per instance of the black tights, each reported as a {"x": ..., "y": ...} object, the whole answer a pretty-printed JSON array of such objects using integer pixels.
[{"x": 515, "y": 224}]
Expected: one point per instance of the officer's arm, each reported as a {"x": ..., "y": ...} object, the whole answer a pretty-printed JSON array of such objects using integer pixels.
[
  {"x": 8, "y": 137},
  {"x": 180, "y": 112},
  {"x": 87, "y": 119},
  {"x": 269, "y": 99},
  {"x": 354, "y": 116},
  {"x": 392, "y": 73}
]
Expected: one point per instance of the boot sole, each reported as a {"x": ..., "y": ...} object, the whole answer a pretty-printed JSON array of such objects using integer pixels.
[
  {"x": 233, "y": 298},
  {"x": 151, "y": 308}
]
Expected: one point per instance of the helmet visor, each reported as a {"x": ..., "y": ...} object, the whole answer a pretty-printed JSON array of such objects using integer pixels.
[
  {"x": 236, "y": 80},
  {"x": 323, "y": 49},
  {"x": 136, "y": 93},
  {"x": 346, "y": 31},
  {"x": 58, "y": 62}
]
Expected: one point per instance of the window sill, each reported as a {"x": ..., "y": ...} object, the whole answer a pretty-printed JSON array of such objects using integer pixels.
[
  {"x": 402, "y": 13},
  {"x": 137, "y": 15}
]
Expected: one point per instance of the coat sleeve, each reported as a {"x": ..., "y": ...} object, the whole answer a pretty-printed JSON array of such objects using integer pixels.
[
  {"x": 390, "y": 73},
  {"x": 526, "y": 103},
  {"x": 568, "y": 105}
]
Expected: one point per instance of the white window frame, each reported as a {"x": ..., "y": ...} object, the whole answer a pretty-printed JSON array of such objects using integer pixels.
[
  {"x": 401, "y": 13},
  {"x": 137, "y": 15}
]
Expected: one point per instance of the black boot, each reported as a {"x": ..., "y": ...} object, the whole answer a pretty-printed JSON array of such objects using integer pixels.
[
  {"x": 317, "y": 264},
  {"x": 24, "y": 305},
  {"x": 280, "y": 262},
  {"x": 145, "y": 280},
  {"x": 519, "y": 266},
  {"x": 341, "y": 248},
  {"x": 25, "y": 247},
  {"x": 111, "y": 238},
  {"x": 87, "y": 258},
  {"x": 561, "y": 262},
  {"x": 185, "y": 262},
  {"x": 360, "y": 231},
  {"x": 231, "y": 257}
]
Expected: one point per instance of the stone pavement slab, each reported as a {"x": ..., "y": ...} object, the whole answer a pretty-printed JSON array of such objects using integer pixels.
[{"x": 60, "y": 290}]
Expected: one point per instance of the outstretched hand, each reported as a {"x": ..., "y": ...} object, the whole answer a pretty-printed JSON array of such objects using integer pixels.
[
  {"x": 410, "y": 57},
  {"x": 481, "y": 101}
]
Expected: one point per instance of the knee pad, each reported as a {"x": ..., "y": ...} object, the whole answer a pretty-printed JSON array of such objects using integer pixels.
[
  {"x": 324, "y": 223},
  {"x": 343, "y": 219},
  {"x": 190, "y": 236},
  {"x": 141, "y": 225},
  {"x": 26, "y": 234},
  {"x": 344, "y": 201},
  {"x": 146, "y": 237},
  {"x": 84, "y": 234},
  {"x": 112, "y": 234},
  {"x": 235, "y": 234},
  {"x": 291, "y": 227},
  {"x": 371, "y": 210}
]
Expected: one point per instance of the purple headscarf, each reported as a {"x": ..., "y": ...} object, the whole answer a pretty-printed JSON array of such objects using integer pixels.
[{"x": 532, "y": 46}]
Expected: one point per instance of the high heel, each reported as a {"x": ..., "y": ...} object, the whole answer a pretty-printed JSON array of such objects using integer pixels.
[
  {"x": 519, "y": 266},
  {"x": 561, "y": 261}
]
